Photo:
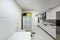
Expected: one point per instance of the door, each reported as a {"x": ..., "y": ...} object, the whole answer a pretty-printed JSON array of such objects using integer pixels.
[
  {"x": 58, "y": 25},
  {"x": 26, "y": 21}
]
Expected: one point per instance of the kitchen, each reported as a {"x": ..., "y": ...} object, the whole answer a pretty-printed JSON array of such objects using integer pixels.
[{"x": 32, "y": 19}]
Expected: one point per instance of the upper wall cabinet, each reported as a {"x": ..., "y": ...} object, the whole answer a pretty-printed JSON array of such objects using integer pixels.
[{"x": 50, "y": 15}]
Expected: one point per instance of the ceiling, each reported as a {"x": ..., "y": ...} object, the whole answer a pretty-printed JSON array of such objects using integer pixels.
[{"x": 37, "y": 5}]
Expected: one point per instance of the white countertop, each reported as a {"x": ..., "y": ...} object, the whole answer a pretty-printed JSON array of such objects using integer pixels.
[
  {"x": 50, "y": 29},
  {"x": 20, "y": 36}
]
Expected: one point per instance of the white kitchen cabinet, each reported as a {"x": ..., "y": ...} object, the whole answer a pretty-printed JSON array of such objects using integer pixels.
[
  {"x": 20, "y": 36},
  {"x": 40, "y": 35},
  {"x": 50, "y": 14}
]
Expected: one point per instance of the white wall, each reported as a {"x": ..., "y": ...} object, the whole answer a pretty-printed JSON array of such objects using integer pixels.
[
  {"x": 51, "y": 13},
  {"x": 10, "y": 18}
]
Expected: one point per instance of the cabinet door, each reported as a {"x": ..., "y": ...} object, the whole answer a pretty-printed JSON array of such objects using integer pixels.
[
  {"x": 50, "y": 14},
  {"x": 58, "y": 18}
]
